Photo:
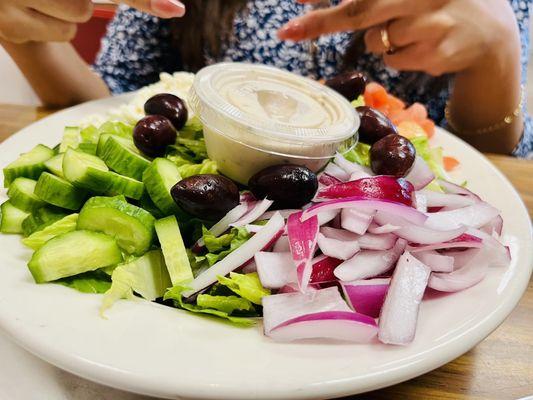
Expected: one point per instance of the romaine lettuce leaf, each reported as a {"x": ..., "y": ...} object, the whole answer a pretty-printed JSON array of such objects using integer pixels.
[
  {"x": 207, "y": 166},
  {"x": 247, "y": 286},
  {"x": 360, "y": 101},
  {"x": 174, "y": 294},
  {"x": 360, "y": 154},
  {"x": 227, "y": 304},
  {"x": 431, "y": 155},
  {"x": 192, "y": 129},
  {"x": 116, "y": 128},
  {"x": 220, "y": 247},
  {"x": 88, "y": 282}
]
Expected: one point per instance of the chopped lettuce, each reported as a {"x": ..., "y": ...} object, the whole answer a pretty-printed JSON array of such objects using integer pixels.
[
  {"x": 88, "y": 282},
  {"x": 360, "y": 101},
  {"x": 227, "y": 304},
  {"x": 90, "y": 134},
  {"x": 359, "y": 154},
  {"x": 219, "y": 247},
  {"x": 431, "y": 155},
  {"x": 247, "y": 286},
  {"x": 37, "y": 239},
  {"x": 193, "y": 129},
  {"x": 146, "y": 275},
  {"x": 116, "y": 128},
  {"x": 175, "y": 292},
  {"x": 207, "y": 166}
]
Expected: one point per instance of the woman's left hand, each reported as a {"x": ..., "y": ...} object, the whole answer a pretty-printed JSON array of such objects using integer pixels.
[{"x": 436, "y": 37}]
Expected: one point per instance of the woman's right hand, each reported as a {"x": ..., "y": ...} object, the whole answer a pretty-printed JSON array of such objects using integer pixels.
[{"x": 55, "y": 20}]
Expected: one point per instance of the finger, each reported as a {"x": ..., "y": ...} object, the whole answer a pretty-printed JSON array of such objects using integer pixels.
[
  {"x": 351, "y": 15},
  {"x": 415, "y": 57},
  {"x": 39, "y": 27},
  {"x": 406, "y": 31},
  {"x": 77, "y": 11},
  {"x": 159, "y": 8}
]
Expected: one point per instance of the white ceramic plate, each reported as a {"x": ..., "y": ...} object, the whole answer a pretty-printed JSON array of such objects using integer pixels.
[{"x": 147, "y": 348}]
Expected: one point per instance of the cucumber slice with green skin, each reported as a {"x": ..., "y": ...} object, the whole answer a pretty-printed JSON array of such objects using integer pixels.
[
  {"x": 71, "y": 138},
  {"x": 90, "y": 172},
  {"x": 124, "y": 158},
  {"x": 159, "y": 179},
  {"x": 146, "y": 202},
  {"x": 11, "y": 218},
  {"x": 37, "y": 239},
  {"x": 28, "y": 165},
  {"x": 89, "y": 134},
  {"x": 89, "y": 148},
  {"x": 59, "y": 192},
  {"x": 174, "y": 250},
  {"x": 106, "y": 136},
  {"x": 41, "y": 218},
  {"x": 131, "y": 226},
  {"x": 22, "y": 195},
  {"x": 55, "y": 165},
  {"x": 73, "y": 253}
]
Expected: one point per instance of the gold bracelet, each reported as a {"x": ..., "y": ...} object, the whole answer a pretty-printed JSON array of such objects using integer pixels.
[{"x": 508, "y": 120}]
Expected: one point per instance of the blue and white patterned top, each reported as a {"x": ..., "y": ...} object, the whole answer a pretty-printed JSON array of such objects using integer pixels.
[{"x": 137, "y": 48}]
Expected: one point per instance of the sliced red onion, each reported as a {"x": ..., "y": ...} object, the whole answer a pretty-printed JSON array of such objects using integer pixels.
[
  {"x": 461, "y": 257},
  {"x": 222, "y": 226},
  {"x": 359, "y": 175},
  {"x": 380, "y": 229},
  {"x": 282, "y": 245},
  {"x": 247, "y": 197},
  {"x": 462, "y": 241},
  {"x": 327, "y": 216},
  {"x": 407, "y": 213},
  {"x": 449, "y": 187},
  {"x": 275, "y": 270},
  {"x": 467, "y": 276},
  {"x": 337, "y": 325},
  {"x": 376, "y": 187},
  {"x": 437, "y": 262},
  {"x": 240, "y": 256},
  {"x": 279, "y": 308},
  {"x": 421, "y": 202},
  {"x": 448, "y": 200},
  {"x": 284, "y": 213},
  {"x": 302, "y": 240},
  {"x": 323, "y": 269},
  {"x": 337, "y": 172},
  {"x": 349, "y": 166},
  {"x": 366, "y": 296},
  {"x": 325, "y": 179},
  {"x": 370, "y": 263},
  {"x": 253, "y": 215},
  {"x": 253, "y": 228},
  {"x": 474, "y": 216},
  {"x": 494, "y": 225},
  {"x": 370, "y": 241},
  {"x": 420, "y": 175},
  {"x": 250, "y": 267},
  {"x": 356, "y": 221},
  {"x": 416, "y": 233},
  {"x": 339, "y": 234},
  {"x": 399, "y": 315},
  {"x": 498, "y": 254},
  {"x": 343, "y": 250}
]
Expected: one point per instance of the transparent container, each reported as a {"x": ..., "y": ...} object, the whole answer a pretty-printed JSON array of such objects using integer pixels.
[{"x": 255, "y": 116}]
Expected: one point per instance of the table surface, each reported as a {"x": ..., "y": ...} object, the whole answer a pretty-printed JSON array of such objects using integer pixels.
[{"x": 500, "y": 367}]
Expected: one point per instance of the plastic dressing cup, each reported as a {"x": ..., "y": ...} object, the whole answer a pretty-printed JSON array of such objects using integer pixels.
[{"x": 256, "y": 116}]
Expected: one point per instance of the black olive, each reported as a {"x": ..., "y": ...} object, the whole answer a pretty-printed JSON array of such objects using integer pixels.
[
  {"x": 289, "y": 186},
  {"x": 350, "y": 84},
  {"x": 374, "y": 125},
  {"x": 393, "y": 155},
  {"x": 153, "y": 134},
  {"x": 169, "y": 106},
  {"x": 207, "y": 197}
]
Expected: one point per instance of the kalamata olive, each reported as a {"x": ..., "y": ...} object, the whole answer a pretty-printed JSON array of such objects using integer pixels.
[
  {"x": 153, "y": 134},
  {"x": 207, "y": 197},
  {"x": 169, "y": 106},
  {"x": 374, "y": 125},
  {"x": 350, "y": 84},
  {"x": 393, "y": 155},
  {"x": 289, "y": 186}
]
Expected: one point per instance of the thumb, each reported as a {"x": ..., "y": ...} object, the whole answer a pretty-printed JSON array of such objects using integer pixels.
[{"x": 159, "y": 8}]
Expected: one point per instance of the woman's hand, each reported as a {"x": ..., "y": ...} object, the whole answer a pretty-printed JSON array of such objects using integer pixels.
[
  {"x": 436, "y": 37},
  {"x": 23, "y": 21}
]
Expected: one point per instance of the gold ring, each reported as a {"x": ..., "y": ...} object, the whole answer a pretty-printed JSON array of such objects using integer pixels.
[{"x": 389, "y": 49}]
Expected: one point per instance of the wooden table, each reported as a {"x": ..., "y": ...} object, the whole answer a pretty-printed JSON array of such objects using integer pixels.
[{"x": 499, "y": 368}]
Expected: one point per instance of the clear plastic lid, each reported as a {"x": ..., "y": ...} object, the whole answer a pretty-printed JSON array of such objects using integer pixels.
[{"x": 273, "y": 110}]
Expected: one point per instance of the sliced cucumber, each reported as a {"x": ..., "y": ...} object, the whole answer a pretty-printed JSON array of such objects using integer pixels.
[
  {"x": 159, "y": 179},
  {"x": 90, "y": 172},
  {"x": 124, "y": 158},
  {"x": 73, "y": 253},
  {"x": 89, "y": 148},
  {"x": 71, "y": 138},
  {"x": 55, "y": 165},
  {"x": 11, "y": 218},
  {"x": 131, "y": 226},
  {"x": 37, "y": 239},
  {"x": 106, "y": 136},
  {"x": 89, "y": 134},
  {"x": 146, "y": 202},
  {"x": 41, "y": 218},
  {"x": 59, "y": 192},
  {"x": 174, "y": 250},
  {"x": 22, "y": 195},
  {"x": 28, "y": 165}
]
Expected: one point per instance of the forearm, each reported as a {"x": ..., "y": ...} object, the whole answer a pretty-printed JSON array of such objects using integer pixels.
[
  {"x": 485, "y": 95},
  {"x": 59, "y": 76}
]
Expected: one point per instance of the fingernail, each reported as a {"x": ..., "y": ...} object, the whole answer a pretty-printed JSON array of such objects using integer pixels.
[
  {"x": 292, "y": 31},
  {"x": 168, "y": 8}
]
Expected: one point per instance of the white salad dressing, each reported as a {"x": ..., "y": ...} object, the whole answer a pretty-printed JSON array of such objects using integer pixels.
[{"x": 255, "y": 116}]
